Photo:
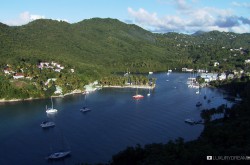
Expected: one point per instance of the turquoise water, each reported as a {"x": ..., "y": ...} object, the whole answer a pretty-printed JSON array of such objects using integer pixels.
[{"x": 115, "y": 122}]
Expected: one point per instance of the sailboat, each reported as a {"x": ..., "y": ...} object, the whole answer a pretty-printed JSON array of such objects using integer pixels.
[
  {"x": 52, "y": 109},
  {"x": 138, "y": 96},
  {"x": 148, "y": 92},
  {"x": 85, "y": 108},
  {"x": 60, "y": 154},
  {"x": 47, "y": 124}
]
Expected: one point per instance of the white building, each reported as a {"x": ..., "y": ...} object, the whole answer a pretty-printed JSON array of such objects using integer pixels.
[
  {"x": 216, "y": 63},
  {"x": 247, "y": 61},
  {"x": 209, "y": 76},
  {"x": 18, "y": 76},
  {"x": 187, "y": 70},
  {"x": 222, "y": 76},
  {"x": 58, "y": 90},
  {"x": 50, "y": 79}
]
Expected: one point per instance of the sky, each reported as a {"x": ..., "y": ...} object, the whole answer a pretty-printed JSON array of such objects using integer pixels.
[{"x": 182, "y": 16}]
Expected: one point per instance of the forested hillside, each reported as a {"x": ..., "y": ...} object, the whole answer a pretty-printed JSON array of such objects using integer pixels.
[{"x": 97, "y": 47}]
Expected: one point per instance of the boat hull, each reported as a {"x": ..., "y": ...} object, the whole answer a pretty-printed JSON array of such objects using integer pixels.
[
  {"x": 51, "y": 110},
  {"x": 85, "y": 109},
  {"x": 47, "y": 124},
  {"x": 138, "y": 97},
  {"x": 58, "y": 155}
]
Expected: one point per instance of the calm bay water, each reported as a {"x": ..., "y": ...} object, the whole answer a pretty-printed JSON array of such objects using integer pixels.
[{"x": 115, "y": 122}]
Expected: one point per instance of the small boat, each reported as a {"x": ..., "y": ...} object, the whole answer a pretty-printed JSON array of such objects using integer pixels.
[
  {"x": 85, "y": 109},
  {"x": 51, "y": 110},
  {"x": 189, "y": 121},
  {"x": 59, "y": 155},
  {"x": 192, "y": 122},
  {"x": 148, "y": 92},
  {"x": 47, "y": 124},
  {"x": 197, "y": 92},
  {"x": 198, "y": 104},
  {"x": 150, "y": 72},
  {"x": 138, "y": 96}
]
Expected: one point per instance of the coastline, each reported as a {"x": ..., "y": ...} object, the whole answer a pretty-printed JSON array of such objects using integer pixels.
[
  {"x": 29, "y": 99},
  {"x": 16, "y": 100},
  {"x": 130, "y": 86},
  {"x": 79, "y": 92}
]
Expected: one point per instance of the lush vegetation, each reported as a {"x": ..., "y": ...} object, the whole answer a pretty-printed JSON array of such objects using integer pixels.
[
  {"x": 127, "y": 80},
  {"x": 228, "y": 136},
  {"x": 98, "y": 49},
  {"x": 100, "y": 46}
]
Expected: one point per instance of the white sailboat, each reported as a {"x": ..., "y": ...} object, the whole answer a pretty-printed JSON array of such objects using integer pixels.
[
  {"x": 148, "y": 92},
  {"x": 52, "y": 109}
]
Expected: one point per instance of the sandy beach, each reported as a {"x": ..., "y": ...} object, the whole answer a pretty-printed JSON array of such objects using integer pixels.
[{"x": 130, "y": 86}]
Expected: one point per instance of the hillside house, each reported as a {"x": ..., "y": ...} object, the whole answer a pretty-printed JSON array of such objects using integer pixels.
[
  {"x": 58, "y": 90},
  {"x": 8, "y": 70},
  {"x": 187, "y": 70},
  {"x": 247, "y": 61},
  {"x": 230, "y": 76},
  {"x": 222, "y": 76},
  {"x": 216, "y": 64},
  {"x": 18, "y": 76}
]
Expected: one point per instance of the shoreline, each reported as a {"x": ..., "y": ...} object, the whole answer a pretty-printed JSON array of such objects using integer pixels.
[
  {"x": 130, "y": 86},
  {"x": 30, "y": 99},
  {"x": 17, "y": 100},
  {"x": 78, "y": 92}
]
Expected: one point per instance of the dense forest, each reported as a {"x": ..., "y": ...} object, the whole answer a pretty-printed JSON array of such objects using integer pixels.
[
  {"x": 99, "y": 46},
  {"x": 103, "y": 48}
]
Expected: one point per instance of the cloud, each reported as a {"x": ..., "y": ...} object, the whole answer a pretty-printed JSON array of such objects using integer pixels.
[
  {"x": 189, "y": 19},
  {"x": 26, "y": 17},
  {"x": 145, "y": 18},
  {"x": 237, "y": 4},
  {"x": 181, "y": 4},
  {"x": 244, "y": 20}
]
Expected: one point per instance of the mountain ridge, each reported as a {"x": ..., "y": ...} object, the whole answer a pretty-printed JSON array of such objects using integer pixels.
[{"x": 108, "y": 45}]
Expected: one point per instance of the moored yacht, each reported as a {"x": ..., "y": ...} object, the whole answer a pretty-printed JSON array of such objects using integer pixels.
[
  {"x": 47, "y": 124},
  {"x": 51, "y": 110},
  {"x": 85, "y": 109},
  {"x": 138, "y": 96},
  {"x": 59, "y": 155}
]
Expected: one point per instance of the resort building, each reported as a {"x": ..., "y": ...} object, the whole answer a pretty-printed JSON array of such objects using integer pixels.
[{"x": 209, "y": 76}]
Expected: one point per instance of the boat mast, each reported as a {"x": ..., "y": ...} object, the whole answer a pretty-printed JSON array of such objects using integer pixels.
[{"x": 52, "y": 102}]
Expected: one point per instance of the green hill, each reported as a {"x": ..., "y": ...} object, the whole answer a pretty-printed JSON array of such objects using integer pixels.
[{"x": 103, "y": 46}]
